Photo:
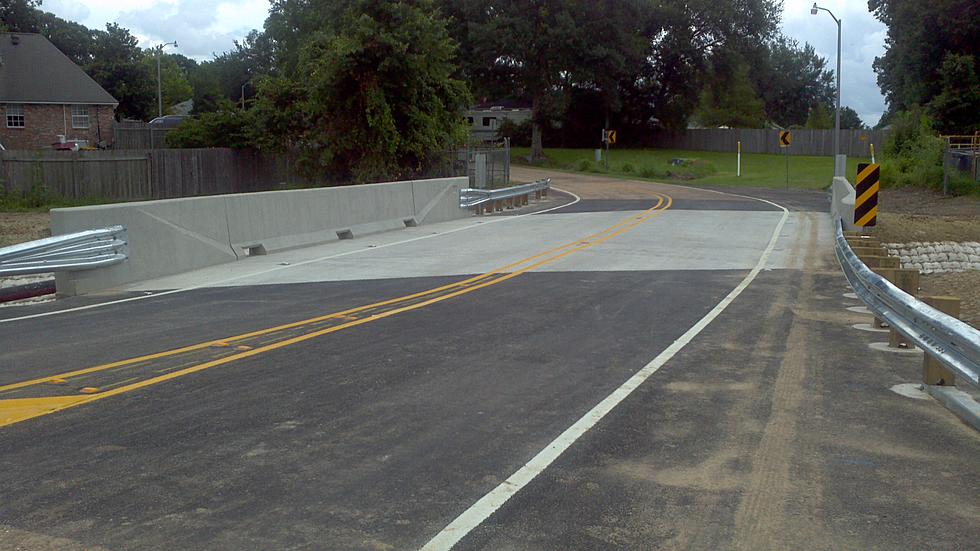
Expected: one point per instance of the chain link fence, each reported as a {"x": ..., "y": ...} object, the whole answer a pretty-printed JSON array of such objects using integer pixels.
[
  {"x": 487, "y": 164},
  {"x": 961, "y": 159}
]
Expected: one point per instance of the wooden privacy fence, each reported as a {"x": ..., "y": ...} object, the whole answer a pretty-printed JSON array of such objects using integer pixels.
[
  {"x": 854, "y": 143},
  {"x": 147, "y": 174},
  {"x": 138, "y": 135}
]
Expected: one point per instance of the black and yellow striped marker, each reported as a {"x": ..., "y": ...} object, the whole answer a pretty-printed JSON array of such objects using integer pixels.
[{"x": 866, "y": 203}]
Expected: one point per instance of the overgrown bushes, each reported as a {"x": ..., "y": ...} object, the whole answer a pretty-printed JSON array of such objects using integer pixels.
[{"x": 913, "y": 156}]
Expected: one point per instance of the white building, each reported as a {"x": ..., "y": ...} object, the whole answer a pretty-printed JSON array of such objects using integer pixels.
[{"x": 484, "y": 119}]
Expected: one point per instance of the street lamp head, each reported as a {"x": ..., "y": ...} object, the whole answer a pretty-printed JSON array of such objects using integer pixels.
[{"x": 813, "y": 10}]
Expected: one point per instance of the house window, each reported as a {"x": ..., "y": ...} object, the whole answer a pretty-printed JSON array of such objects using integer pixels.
[
  {"x": 15, "y": 115},
  {"x": 490, "y": 122},
  {"x": 79, "y": 116},
  {"x": 469, "y": 120}
]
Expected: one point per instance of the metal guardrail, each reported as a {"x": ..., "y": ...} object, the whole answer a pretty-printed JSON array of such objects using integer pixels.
[
  {"x": 470, "y": 197},
  {"x": 952, "y": 342},
  {"x": 64, "y": 253}
]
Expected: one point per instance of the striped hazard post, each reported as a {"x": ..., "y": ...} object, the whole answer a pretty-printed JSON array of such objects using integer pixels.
[{"x": 866, "y": 203}]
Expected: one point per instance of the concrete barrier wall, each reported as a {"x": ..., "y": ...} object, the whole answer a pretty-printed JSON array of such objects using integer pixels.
[
  {"x": 842, "y": 202},
  {"x": 178, "y": 235}
]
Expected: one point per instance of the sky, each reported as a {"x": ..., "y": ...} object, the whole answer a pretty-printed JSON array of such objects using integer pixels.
[{"x": 203, "y": 28}]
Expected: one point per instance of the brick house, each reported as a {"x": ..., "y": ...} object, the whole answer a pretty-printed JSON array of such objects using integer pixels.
[{"x": 44, "y": 95}]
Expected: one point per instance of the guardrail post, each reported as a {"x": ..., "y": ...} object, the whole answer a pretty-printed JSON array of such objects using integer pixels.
[
  {"x": 863, "y": 241},
  {"x": 498, "y": 205},
  {"x": 889, "y": 274},
  {"x": 877, "y": 262},
  {"x": 524, "y": 199},
  {"x": 906, "y": 279},
  {"x": 933, "y": 372},
  {"x": 544, "y": 192},
  {"x": 863, "y": 251},
  {"x": 537, "y": 195}
]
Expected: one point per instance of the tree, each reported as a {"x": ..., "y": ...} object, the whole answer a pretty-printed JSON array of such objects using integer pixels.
[
  {"x": 790, "y": 80},
  {"x": 118, "y": 66},
  {"x": 956, "y": 109},
  {"x": 532, "y": 47},
  {"x": 174, "y": 84},
  {"x": 377, "y": 89},
  {"x": 20, "y": 15},
  {"x": 920, "y": 35},
  {"x": 850, "y": 119},
  {"x": 819, "y": 118},
  {"x": 729, "y": 99}
]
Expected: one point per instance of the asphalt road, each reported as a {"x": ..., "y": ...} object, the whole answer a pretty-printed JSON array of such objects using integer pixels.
[{"x": 371, "y": 393}]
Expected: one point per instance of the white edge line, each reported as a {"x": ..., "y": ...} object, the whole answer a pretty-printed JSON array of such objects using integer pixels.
[
  {"x": 488, "y": 504},
  {"x": 279, "y": 268}
]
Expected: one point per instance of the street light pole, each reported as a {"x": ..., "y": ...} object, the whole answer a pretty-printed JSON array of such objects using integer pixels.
[
  {"x": 159, "y": 80},
  {"x": 813, "y": 11},
  {"x": 246, "y": 83}
]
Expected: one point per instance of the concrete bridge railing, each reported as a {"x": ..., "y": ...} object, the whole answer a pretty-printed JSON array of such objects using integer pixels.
[{"x": 172, "y": 236}]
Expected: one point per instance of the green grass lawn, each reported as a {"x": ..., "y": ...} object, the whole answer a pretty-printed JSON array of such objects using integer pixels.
[{"x": 711, "y": 168}]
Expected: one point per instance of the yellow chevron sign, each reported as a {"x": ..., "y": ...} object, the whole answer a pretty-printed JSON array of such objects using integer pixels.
[
  {"x": 785, "y": 138},
  {"x": 866, "y": 192}
]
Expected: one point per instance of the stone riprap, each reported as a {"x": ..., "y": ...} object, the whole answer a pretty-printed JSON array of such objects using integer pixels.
[{"x": 937, "y": 256}]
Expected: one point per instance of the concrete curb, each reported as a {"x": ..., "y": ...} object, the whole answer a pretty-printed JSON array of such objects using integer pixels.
[{"x": 960, "y": 403}]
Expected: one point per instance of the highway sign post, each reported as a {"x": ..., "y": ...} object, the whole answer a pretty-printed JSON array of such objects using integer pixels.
[
  {"x": 785, "y": 140},
  {"x": 608, "y": 137}
]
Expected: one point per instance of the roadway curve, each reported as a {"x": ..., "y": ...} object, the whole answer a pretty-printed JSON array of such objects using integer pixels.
[{"x": 366, "y": 394}]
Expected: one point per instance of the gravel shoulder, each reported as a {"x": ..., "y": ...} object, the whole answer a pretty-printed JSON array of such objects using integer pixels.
[{"x": 17, "y": 227}]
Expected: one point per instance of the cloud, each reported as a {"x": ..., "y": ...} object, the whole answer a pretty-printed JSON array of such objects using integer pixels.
[
  {"x": 862, "y": 39},
  {"x": 201, "y": 28}
]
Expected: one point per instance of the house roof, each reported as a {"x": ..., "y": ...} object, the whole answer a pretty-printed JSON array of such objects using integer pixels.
[
  {"x": 33, "y": 70},
  {"x": 505, "y": 103}
]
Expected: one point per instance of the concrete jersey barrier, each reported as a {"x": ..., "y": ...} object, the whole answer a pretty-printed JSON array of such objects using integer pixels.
[
  {"x": 177, "y": 235},
  {"x": 842, "y": 202}
]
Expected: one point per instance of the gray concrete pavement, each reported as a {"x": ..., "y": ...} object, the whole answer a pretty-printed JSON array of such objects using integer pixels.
[{"x": 772, "y": 428}]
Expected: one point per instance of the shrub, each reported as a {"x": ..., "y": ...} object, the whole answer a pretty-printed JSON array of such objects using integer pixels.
[
  {"x": 519, "y": 134},
  {"x": 584, "y": 165},
  {"x": 228, "y": 127},
  {"x": 652, "y": 171},
  {"x": 913, "y": 155},
  {"x": 627, "y": 168}
]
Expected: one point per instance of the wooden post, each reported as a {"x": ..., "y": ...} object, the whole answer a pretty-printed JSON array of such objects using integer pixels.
[
  {"x": 933, "y": 372},
  {"x": 876, "y": 262},
  {"x": 907, "y": 280},
  {"x": 864, "y": 252},
  {"x": 889, "y": 274}
]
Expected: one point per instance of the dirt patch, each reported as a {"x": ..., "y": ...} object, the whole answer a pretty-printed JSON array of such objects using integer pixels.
[
  {"x": 907, "y": 215},
  {"x": 905, "y": 228},
  {"x": 965, "y": 285},
  {"x": 17, "y": 227}
]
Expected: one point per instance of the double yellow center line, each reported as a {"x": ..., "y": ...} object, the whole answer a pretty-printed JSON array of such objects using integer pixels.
[{"x": 35, "y": 397}]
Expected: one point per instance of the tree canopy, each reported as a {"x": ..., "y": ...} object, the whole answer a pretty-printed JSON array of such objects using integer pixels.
[
  {"x": 366, "y": 87},
  {"x": 917, "y": 68}
]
